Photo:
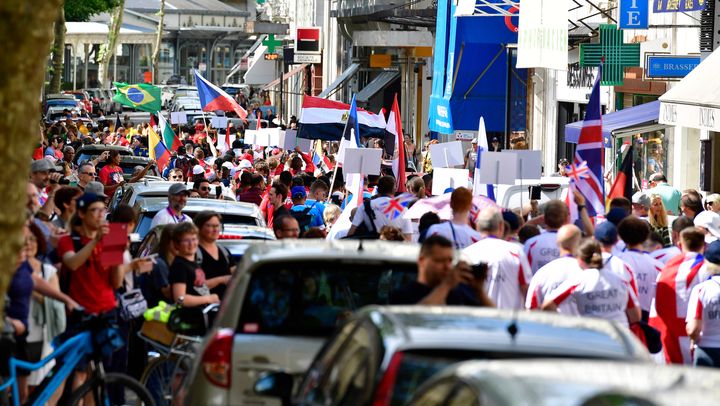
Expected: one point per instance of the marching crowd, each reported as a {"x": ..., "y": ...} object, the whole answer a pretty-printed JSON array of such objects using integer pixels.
[{"x": 639, "y": 266}]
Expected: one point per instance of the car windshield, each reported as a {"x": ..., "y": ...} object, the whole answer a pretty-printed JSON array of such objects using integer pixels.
[
  {"x": 143, "y": 226},
  {"x": 311, "y": 298}
]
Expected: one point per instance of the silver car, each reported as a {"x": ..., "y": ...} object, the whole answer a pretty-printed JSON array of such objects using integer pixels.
[
  {"x": 385, "y": 353},
  {"x": 285, "y": 299},
  {"x": 569, "y": 383}
]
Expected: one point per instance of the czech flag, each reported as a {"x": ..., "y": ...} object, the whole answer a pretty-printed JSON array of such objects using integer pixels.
[
  {"x": 622, "y": 187},
  {"x": 158, "y": 150},
  {"x": 212, "y": 98},
  {"x": 322, "y": 119}
]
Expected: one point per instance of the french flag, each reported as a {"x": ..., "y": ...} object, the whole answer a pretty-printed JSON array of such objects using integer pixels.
[
  {"x": 322, "y": 119},
  {"x": 212, "y": 98}
]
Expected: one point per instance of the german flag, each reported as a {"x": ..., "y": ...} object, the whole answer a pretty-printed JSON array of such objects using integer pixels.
[{"x": 622, "y": 187}]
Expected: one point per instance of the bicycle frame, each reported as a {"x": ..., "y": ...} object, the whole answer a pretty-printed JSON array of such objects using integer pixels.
[{"x": 69, "y": 354}]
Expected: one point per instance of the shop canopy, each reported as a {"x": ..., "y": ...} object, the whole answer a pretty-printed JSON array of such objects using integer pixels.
[
  {"x": 695, "y": 101},
  {"x": 340, "y": 80},
  {"x": 637, "y": 119},
  {"x": 377, "y": 84}
]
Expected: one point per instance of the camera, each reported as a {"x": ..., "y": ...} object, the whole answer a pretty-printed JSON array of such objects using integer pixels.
[{"x": 480, "y": 270}]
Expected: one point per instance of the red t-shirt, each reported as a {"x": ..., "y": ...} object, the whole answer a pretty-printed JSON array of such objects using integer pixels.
[
  {"x": 90, "y": 283},
  {"x": 111, "y": 175}
]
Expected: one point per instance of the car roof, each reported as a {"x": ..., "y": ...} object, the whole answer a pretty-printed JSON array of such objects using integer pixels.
[
  {"x": 155, "y": 204},
  {"x": 566, "y": 382},
  {"x": 231, "y": 232},
  {"x": 311, "y": 249},
  {"x": 474, "y": 328},
  {"x": 91, "y": 148}
]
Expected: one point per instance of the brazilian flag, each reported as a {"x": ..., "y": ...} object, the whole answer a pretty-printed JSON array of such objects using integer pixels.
[{"x": 140, "y": 97}]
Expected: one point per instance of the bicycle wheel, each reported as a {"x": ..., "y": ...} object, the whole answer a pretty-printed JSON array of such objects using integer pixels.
[
  {"x": 163, "y": 376},
  {"x": 113, "y": 389}
]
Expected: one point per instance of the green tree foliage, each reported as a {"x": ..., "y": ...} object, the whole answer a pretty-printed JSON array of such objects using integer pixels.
[{"x": 82, "y": 10}]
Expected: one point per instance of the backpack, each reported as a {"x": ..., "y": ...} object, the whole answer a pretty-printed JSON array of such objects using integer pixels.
[
  {"x": 64, "y": 274},
  {"x": 363, "y": 232},
  {"x": 304, "y": 218},
  {"x": 224, "y": 251}
]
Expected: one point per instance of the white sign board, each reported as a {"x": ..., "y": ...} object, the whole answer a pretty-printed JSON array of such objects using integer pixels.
[
  {"x": 362, "y": 160},
  {"x": 307, "y": 58},
  {"x": 685, "y": 115},
  {"x": 445, "y": 178},
  {"x": 218, "y": 122},
  {"x": 543, "y": 35},
  {"x": 178, "y": 117},
  {"x": 249, "y": 137},
  {"x": 498, "y": 168},
  {"x": 447, "y": 154},
  {"x": 274, "y": 136},
  {"x": 529, "y": 163}
]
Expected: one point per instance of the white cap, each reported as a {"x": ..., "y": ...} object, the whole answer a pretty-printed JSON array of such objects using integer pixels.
[
  {"x": 228, "y": 164},
  {"x": 244, "y": 164},
  {"x": 197, "y": 170},
  {"x": 710, "y": 221}
]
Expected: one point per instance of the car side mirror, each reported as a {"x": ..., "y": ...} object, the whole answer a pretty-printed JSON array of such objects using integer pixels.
[{"x": 275, "y": 384}]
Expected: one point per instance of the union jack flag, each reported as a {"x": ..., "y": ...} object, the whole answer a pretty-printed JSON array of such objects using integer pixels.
[
  {"x": 590, "y": 150},
  {"x": 393, "y": 208},
  {"x": 577, "y": 172}
]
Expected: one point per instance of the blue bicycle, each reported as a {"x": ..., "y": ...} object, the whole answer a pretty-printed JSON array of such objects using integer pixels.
[{"x": 96, "y": 338}]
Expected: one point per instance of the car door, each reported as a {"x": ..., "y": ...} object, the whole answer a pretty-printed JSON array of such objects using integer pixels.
[{"x": 344, "y": 371}]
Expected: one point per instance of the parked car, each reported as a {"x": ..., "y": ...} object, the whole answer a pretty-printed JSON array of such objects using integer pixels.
[
  {"x": 185, "y": 103},
  {"x": 234, "y": 89},
  {"x": 97, "y": 98},
  {"x": 128, "y": 161},
  {"x": 284, "y": 300},
  {"x": 130, "y": 193},
  {"x": 176, "y": 80},
  {"x": 385, "y": 353},
  {"x": 236, "y": 238},
  {"x": 83, "y": 97},
  {"x": 568, "y": 383},
  {"x": 62, "y": 101},
  {"x": 232, "y": 212}
]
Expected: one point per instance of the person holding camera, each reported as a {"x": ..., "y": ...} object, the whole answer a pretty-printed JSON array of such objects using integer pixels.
[
  {"x": 508, "y": 268},
  {"x": 442, "y": 280}
]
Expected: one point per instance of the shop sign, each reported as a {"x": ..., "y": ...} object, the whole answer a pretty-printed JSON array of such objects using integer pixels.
[
  {"x": 543, "y": 35},
  {"x": 689, "y": 116},
  {"x": 633, "y": 14},
  {"x": 678, "y": 6},
  {"x": 670, "y": 66}
]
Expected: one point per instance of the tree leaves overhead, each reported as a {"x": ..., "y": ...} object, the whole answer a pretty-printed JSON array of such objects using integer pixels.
[{"x": 82, "y": 10}]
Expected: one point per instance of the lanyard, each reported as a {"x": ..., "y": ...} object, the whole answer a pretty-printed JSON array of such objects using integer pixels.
[{"x": 175, "y": 218}]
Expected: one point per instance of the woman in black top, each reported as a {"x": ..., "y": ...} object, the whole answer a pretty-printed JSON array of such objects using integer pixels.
[
  {"x": 214, "y": 259},
  {"x": 187, "y": 279}
]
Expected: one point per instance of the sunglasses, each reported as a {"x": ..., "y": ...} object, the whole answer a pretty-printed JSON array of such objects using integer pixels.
[
  {"x": 88, "y": 173},
  {"x": 205, "y": 189}
]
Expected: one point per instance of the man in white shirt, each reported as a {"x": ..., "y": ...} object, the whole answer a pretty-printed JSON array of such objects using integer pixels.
[
  {"x": 387, "y": 211},
  {"x": 552, "y": 275},
  {"x": 457, "y": 230},
  {"x": 542, "y": 249},
  {"x": 177, "y": 199},
  {"x": 634, "y": 231},
  {"x": 508, "y": 268},
  {"x": 606, "y": 234}
]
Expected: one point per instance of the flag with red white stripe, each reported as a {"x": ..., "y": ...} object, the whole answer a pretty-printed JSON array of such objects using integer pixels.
[
  {"x": 394, "y": 127},
  {"x": 322, "y": 119},
  {"x": 590, "y": 150}
]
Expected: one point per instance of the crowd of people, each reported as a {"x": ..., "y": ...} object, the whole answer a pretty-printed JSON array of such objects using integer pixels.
[{"x": 639, "y": 266}]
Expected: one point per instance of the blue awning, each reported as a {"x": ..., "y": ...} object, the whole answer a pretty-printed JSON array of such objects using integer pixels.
[{"x": 630, "y": 117}]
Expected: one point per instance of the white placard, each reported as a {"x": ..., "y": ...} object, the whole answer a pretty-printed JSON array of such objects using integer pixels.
[
  {"x": 543, "y": 35},
  {"x": 262, "y": 138},
  {"x": 529, "y": 163},
  {"x": 363, "y": 160},
  {"x": 274, "y": 136},
  {"x": 287, "y": 141},
  {"x": 352, "y": 182},
  {"x": 178, "y": 117},
  {"x": 249, "y": 137},
  {"x": 304, "y": 144},
  {"x": 498, "y": 168},
  {"x": 218, "y": 122},
  {"x": 444, "y": 178},
  {"x": 447, "y": 154}
]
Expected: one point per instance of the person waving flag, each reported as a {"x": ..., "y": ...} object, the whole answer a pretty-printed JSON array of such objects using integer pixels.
[{"x": 212, "y": 98}]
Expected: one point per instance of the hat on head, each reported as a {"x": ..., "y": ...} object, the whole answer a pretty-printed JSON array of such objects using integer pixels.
[
  {"x": 710, "y": 221},
  {"x": 298, "y": 192},
  {"x": 474, "y": 141},
  {"x": 198, "y": 170},
  {"x": 95, "y": 188},
  {"x": 178, "y": 189},
  {"x": 41, "y": 165},
  {"x": 228, "y": 165},
  {"x": 712, "y": 252},
  {"x": 616, "y": 215},
  {"x": 244, "y": 164},
  {"x": 641, "y": 199},
  {"x": 86, "y": 199},
  {"x": 495, "y": 139},
  {"x": 511, "y": 219},
  {"x": 606, "y": 233}
]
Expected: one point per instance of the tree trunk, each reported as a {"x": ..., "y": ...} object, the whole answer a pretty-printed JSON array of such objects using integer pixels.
[
  {"x": 158, "y": 42},
  {"x": 27, "y": 30},
  {"x": 58, "y": 52},
  {"x": 115, "y": 24}
]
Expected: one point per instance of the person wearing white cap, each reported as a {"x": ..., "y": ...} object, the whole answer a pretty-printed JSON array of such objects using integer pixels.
[
  {"x": 198, "y": 172},
  {"x": 709, "y": 221},
  {"x": 177, "y": 199},
  {"x": 471, "y": 155}
]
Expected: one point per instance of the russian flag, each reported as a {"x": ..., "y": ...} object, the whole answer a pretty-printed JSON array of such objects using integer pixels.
[
  {"x": 212, "y": 98},
  {"x": 322, "y": 119},
  {"x": 158, "y": 150}
]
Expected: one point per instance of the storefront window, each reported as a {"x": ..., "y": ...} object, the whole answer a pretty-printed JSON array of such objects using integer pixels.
[{"x": 649, "y": 155}]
